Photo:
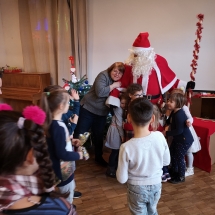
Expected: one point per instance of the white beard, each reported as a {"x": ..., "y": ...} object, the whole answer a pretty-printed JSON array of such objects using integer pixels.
[{"x": 143, "y": 64}]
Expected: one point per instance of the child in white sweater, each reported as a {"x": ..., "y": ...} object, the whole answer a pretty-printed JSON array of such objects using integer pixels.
[{"x": 141, "y": 160}]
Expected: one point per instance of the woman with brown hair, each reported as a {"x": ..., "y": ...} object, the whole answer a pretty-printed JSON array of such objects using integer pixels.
[{"x": 93, "y": 111}]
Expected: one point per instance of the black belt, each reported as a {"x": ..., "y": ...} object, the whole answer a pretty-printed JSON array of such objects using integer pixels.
[{"x": 150, "y": 97}]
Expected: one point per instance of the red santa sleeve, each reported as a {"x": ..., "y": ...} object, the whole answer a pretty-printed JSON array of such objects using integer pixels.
[{"x": 166, "y": 77}]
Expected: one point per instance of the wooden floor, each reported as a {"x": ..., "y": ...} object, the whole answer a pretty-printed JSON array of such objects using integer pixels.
[{"x": 105, "y": 196}]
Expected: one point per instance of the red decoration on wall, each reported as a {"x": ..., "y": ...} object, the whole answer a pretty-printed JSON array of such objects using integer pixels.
[
  {"x": 196, "y": 46},
  {"x": 195, "y": 54}
]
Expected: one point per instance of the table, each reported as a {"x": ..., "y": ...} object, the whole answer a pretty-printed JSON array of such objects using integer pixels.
[{"x": 205, "y": 129}]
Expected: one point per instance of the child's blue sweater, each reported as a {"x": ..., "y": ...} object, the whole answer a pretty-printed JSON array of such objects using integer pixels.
[{"x": 56, "y": 141}]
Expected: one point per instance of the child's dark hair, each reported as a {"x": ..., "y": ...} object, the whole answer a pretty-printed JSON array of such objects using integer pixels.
[
  {"x": 132, "y": 88},
  {"x": 50, "y": 102},
  {"x": 124, "y": 96},
  {"x": 15, "y": 144},
  {"x": 179, "y": 99},
  {"x": 141, "y": 111}
]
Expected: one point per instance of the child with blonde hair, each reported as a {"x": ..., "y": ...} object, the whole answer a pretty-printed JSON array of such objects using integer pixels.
[
  {"x": 55, "y": 104},
  {"x": 71, "y": 117}
]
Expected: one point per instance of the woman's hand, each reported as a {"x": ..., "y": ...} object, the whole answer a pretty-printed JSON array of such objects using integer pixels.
[
  {"x": 115, "y": 85},
  {"x": 74, "y": 94}
]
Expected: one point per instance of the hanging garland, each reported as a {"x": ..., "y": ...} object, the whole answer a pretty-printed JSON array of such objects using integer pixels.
[{"x": 195, "y": 53}]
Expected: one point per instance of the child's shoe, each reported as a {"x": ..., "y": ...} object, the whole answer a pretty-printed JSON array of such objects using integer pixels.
[
  {"x": 77, "y": 195},
  {"x": 168, "y": 177},
  {"x": 177, "y": 180},
  {"x": 189, "y": 171},
  {"x": 163, "y": 177},
  {"x": 111, "y": 172}
]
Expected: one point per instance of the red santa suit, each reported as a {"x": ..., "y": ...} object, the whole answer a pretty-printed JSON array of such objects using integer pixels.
[{"x": 160, "y": 80}]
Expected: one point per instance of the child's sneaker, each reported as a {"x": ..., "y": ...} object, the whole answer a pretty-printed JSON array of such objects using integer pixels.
[
  {"x": 164, "y": 178},
  {"x": 77, "y": 195},
  {"x": 177, "y": 180},
  {"x": 111, "y": 173},
  {"x": 189, "y": 171},
  {"x": 168, "y": 177}
]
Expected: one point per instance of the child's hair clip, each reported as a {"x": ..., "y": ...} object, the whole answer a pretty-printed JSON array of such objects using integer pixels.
[
  {"x": 5, "y": 106},
  {"x": 34, "y": 113},
  {"x": 20, "y": 122}
]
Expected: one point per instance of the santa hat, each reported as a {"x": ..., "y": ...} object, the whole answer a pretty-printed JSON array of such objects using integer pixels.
[{"x": 141, "y": 43}]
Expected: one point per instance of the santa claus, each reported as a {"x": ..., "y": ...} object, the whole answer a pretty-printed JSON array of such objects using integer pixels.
[{"x": 150, "y": 70}]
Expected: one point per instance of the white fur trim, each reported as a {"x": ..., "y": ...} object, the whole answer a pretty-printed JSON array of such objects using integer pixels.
[
  {"x": 182, "y": 85},
  {"x": 121, "y": 89},
  {"x": 168, "y": 86},
  {"x": 72, "y": 69},
  {"x": 134, "y": 79},
  {"x": 139, "y": 49},
  {"x": 66, "y": 87},
  {"x": 145, "y": 81},
  {"x": 20, "y": 122},
  {"x": 111, "y": 100}
]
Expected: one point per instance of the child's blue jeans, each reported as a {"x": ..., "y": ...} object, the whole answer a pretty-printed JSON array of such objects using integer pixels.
[
  {"x": 143, "y": 199},
  {"x": 165, "y": 170}
]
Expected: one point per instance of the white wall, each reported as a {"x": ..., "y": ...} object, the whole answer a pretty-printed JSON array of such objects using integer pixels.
[{"x": 113, "y": 26}]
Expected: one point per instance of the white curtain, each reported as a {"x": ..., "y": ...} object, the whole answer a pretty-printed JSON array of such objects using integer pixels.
[
  {"x": 79, "y": 35},
  {"x": 49, "y": 36}
]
